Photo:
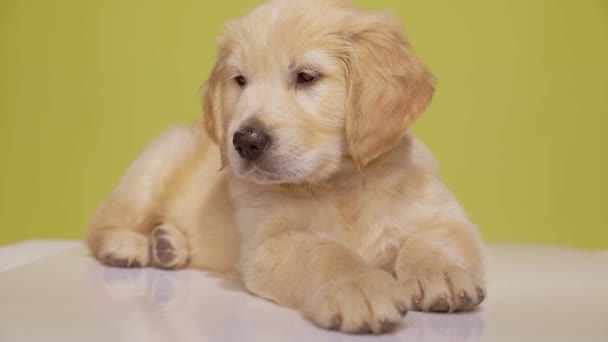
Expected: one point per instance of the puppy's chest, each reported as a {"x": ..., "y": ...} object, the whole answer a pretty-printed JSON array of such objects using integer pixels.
[
  {"x": 372, "y": 226},
  {"x": 373, "y": 229}
]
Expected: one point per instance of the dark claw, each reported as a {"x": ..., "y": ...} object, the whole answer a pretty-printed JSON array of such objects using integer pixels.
[
  {"x": 402, "y": 309},
  {"x": 416, "y": 304},
  {"x": 121, "y": 262},
  {"x": 480, "y": 295},
  {"x": 386, "y": 325},
  {"x": 110, "y": 260},
  {"x": 364, "y": 329},
  {"x": 336, "y": 322},
  {"x": 441, "y": 305},
  {"x": 466, "y": 303}
]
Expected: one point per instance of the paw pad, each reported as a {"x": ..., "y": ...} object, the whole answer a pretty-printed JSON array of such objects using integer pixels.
[
  {"x": 164, "y": 251},
  {"x": 168, "y": 248}
]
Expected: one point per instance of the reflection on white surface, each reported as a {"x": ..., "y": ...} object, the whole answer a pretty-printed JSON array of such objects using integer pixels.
[
  {"x": 155, "y": 305},
  {"x": 535, "y": 294}
]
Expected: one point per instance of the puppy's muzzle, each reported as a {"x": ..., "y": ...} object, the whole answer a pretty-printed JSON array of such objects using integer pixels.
[{"x": 251, "y": 142}]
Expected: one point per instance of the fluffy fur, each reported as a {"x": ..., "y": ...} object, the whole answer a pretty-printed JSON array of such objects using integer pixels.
[{"x": 344, "y": 218}]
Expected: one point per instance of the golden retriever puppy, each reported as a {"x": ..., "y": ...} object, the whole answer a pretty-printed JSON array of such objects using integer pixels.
[{"x": 304, "y": 177}]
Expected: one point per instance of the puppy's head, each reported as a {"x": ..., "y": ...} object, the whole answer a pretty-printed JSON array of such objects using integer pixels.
[{"x": 300, "y": 87}]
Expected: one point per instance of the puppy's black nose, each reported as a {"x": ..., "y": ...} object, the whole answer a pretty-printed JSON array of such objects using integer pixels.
[{"x": 250, "y": 142}]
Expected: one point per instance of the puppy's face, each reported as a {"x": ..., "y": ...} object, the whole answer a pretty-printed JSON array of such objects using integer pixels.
[{"x": 300, "y": 87}]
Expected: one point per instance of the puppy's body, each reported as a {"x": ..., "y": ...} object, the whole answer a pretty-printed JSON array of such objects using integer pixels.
[{"x": 339, "y": 213}]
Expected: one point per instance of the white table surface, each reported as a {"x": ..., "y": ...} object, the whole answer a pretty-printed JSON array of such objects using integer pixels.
[{"x": 54, "y": 291}]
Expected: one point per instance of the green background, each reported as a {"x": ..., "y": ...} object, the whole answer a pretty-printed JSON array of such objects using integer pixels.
[{"x": 518, "y": 120}]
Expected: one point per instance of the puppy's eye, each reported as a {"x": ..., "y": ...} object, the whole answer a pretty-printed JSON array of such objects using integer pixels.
[
  {"x": 241, "y": 81},
  {"x": 306, "y": 78}
]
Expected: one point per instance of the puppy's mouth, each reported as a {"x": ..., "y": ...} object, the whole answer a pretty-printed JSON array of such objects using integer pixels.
[
  {"x": 267, "y": 172},
  {"x": 262, "y": 174},
  {"x": 271, "y": 167}
]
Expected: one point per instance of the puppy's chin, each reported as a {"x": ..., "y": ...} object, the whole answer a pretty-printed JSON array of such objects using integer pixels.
[
  {"x": 260, "y": 175},
  {"x": 277, "y": 170},
  {"x": 264, "y": 172}
]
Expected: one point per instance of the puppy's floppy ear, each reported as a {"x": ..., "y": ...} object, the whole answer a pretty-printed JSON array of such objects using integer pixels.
[
  {"x": 388, "y": 87},
  {"x": 210, "y": 113},
  {"x": 211, "y": 102}
]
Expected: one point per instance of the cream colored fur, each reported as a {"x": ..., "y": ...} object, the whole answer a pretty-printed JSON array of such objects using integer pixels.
[{"x": 348, "y": 220}]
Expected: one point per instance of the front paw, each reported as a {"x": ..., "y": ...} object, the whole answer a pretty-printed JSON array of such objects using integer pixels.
[
  {"x": 442, "y": 289},
  {"x": 363, "y": 301},
  {"x": 124, "y": 248}
]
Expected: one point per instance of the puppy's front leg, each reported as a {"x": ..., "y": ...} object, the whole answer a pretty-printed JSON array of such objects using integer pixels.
[
  {"x": 441, "y": 268},
  {"x": 325, "y": 281}
]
